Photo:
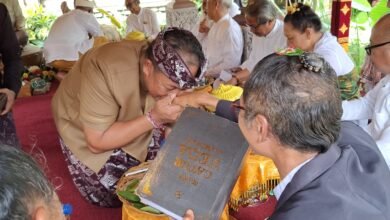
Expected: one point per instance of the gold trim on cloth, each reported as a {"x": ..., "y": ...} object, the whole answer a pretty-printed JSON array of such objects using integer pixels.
[{"x": 257, "y": 178}]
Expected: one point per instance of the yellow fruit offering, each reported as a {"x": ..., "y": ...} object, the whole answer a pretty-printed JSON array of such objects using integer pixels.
[{"x": 136, "y": 36}]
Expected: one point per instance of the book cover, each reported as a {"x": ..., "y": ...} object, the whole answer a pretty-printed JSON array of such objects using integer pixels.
[{"x": 196, "y": 168}]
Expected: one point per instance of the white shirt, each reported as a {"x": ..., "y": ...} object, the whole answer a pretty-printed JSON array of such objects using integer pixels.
[
  {"x": 69, "y": 36},
  {"x": 234, "y": 10},
  {"x": 202, "y": 37},
  {"x": 145, "y": 21},
  {"x": 224, "y": 46},
  {"x": 264, "y": 46},
  {"x": 334, "y": 54},
  {"x": 375, "y": 105},
  {"x": 278, "y": 190}
]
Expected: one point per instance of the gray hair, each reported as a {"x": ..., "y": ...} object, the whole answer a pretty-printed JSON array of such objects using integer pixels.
[
  {"x": 302, "y": 106},
  {"x": 262, "y": 10},
  {"x": 22, "y": 183}
]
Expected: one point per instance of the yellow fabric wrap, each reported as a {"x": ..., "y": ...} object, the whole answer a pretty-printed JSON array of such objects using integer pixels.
[
  {"x": 226, "y": 92},
  {"x": 258, "y": 176}
]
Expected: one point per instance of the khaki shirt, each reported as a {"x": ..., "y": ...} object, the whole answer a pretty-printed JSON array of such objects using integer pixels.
[
  {"x": 15, "y": 12},
  {"x": 102, "y": 88}
]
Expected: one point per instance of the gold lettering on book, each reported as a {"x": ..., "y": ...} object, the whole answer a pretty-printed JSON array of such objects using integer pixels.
[
  {"x": 178, "y": 194},
  {"x": 197, "y": 160}
]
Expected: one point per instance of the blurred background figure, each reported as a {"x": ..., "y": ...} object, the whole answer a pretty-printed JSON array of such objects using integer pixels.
[
  {"x": 64, "y": 7},
  {"x": 9, "y": 79},
  {"x": 141, "y": 19},
  {"x": 17, "y": 19},
  {"x": 71, "y": 35}
]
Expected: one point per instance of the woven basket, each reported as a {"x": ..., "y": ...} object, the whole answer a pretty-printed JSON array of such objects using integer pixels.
[{"x": 129, "y": 212}]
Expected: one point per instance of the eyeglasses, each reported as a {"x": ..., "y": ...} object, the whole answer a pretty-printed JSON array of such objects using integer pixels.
[
  {"x": 369, "y": 48},
  {"x": 253, "y": 26},
  {"x": 238, "y": 107}
]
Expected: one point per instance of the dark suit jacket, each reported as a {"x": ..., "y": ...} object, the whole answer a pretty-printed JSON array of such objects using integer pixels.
[
  {"x": 10, "y": 53},
  {"x": 350, "y": 181}
]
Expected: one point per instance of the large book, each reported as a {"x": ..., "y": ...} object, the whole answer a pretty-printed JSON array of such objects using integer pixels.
[{"x": 196, "y": 168}]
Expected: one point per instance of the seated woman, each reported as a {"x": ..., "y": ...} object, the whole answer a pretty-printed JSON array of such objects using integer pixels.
[
  {"x": 25, "y": 191},
  {"x": 108, "y": 105},
  {"x": 302, "y": 28}
]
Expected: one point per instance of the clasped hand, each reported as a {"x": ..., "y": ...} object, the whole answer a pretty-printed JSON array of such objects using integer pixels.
[
  {"x": 165, "y": 111},
  {"x": 10, "y": 100}
]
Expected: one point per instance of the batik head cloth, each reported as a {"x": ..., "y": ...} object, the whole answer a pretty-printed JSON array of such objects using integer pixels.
[{"x": 171, "y": 64}]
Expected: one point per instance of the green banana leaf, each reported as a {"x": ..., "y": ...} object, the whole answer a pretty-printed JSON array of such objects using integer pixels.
[{"x": 378, "y": 11}]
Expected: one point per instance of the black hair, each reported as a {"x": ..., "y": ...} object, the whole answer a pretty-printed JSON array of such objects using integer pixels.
[
  {"x": 304, "y": 17},
  {"x": 182, "y": 41}
]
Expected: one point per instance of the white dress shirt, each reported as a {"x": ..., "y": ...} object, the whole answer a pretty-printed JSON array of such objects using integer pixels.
[
  {"x": 202, "y": 37},
  {"x": 234, "y": 10},
  {"x": 278, "y": 190},
  {"x": 375, "y": 105},
  {"x": 146, "y": 22},
  {"x": 224, "y": 45},
  {"x": 334, "y": 54},
  {"x": 264, "y": 46},
  {"x": 69, "y": 36}
]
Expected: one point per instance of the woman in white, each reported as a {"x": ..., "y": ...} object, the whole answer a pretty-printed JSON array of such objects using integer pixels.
[{"x": 302, "y": 28}]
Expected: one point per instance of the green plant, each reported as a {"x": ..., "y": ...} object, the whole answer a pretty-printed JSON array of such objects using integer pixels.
[
  {"x": 38, "y": 23},
  {"x": 363, "y": 18}
]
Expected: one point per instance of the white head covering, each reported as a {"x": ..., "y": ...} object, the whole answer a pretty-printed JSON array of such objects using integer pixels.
[{"x": 85, "y": 3}]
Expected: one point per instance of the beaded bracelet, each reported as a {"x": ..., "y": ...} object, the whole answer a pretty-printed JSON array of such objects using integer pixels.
[{"x": 154, "y": 122}]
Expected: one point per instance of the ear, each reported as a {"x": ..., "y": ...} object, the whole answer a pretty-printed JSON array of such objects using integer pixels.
[
  {"x": 40, "y": 213},
  {"x": 309, "y": 33},
  {"x": 147, "y": 67},
  {"x": 262, "y": 127},
  {"x": 218, "y": 3}
]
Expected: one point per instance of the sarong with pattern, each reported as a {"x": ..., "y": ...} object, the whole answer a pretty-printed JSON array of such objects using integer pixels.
[
  {"x": 99, "y": 188},
  {"x": 349, "y": 86},
  {"x": 8, "y": 131}
]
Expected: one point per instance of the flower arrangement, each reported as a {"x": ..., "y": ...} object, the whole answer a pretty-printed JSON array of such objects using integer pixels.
[
  {"x": 37, "y": 72},
  {"x": 37, "y": 79}
]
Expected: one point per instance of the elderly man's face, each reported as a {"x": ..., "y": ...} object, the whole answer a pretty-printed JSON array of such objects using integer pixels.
[
  {"x": 211, "y": 9},
  {"x": 380, "y": 55},
  {"x": 260, "y": 30},
  {"x": 132, "y": 6}
]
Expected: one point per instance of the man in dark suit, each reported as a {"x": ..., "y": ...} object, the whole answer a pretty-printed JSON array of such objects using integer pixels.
[{"x": 290, "y": 112}]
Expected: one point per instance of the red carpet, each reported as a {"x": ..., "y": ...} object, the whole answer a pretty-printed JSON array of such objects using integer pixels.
[{"x": 37, "y": 133}]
